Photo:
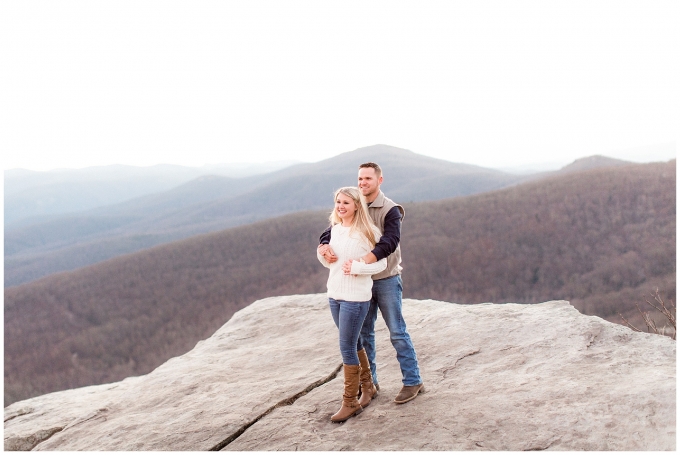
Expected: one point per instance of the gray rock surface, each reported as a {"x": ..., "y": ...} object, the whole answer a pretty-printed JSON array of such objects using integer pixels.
[
  {"x": 30, "y": 422},
  {"x": 498, "y": 377}
]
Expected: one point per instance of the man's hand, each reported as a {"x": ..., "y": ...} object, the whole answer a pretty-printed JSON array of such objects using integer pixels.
[
  {"x": 347, "y": 267},
  {"x": 370, "y": 258},
  {"x": 326, "y": 251}
]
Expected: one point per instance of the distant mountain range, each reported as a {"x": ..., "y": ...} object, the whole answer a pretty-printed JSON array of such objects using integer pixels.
[
  {"x": 581, "y": 164},
  {"x": 601, "y": 238},
  {"x": 211, "y": 203},
  {"x": 32, "y": 196}
]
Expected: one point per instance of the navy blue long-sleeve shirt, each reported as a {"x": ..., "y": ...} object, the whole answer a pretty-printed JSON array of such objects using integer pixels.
[{"x": 389, "y": 241}]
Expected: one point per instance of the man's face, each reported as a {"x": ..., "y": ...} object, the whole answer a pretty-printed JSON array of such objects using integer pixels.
[{"x": 369, "y": 183}]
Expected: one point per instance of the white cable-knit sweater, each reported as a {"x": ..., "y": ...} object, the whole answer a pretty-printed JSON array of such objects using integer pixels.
[{"x": 357, "y": 286}]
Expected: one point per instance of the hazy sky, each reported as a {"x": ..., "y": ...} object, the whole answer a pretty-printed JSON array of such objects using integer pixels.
[{"x": 485, "y": 82}]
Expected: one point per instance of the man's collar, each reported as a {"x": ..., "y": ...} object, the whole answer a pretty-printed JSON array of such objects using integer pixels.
[{"x": 379, "y": 201}]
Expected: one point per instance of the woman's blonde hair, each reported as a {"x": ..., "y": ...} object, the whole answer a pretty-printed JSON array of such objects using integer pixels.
[{"x": 362, "y": 222}]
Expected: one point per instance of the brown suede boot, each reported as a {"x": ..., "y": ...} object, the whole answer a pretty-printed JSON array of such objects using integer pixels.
[
  {"x": 409, "y": 392},
  {"x": 350, "y": 404},
  {"x": 368, "y": 389}
]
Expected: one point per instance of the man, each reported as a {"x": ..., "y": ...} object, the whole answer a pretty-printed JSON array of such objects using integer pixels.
[{"x": 387, "y": 285}]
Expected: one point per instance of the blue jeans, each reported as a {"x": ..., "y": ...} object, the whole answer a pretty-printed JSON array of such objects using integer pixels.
[
  {"x": 349, "y": 317},
  {"x": 387, "y": 298}
]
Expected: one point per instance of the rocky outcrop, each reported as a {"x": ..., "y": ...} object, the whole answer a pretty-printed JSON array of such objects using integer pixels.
[{"x": 498, "y": 377}]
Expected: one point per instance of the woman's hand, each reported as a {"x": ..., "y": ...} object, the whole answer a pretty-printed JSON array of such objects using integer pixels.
[{"x": 347, "y": 267}]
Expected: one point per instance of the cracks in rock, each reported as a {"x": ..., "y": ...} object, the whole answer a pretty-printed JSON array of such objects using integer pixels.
[
  {"x": 49, "y": 433},
  {"x": 19, "y": 413},
  {"x": 537, "y": 449},
  {"x": 285, "y": 402},
  {"x": 97, "y": 414},
  {"x": 446, "y": 371},
  {"x": 544, "y": 446},
  {"x": 593, "y": 338},
  {"x": 29, "y": 443}
]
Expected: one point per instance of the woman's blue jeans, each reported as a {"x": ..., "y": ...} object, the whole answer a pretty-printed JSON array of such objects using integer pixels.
[{"x": 349, "y": 317}]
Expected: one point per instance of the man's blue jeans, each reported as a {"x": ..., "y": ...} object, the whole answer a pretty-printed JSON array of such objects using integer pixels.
[
  {"x": 387, "y": 298},
  {"x": 349, "y": 317}
]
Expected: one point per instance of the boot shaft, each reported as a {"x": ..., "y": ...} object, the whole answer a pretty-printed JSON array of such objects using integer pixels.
[{"x": 352, "y": 381}]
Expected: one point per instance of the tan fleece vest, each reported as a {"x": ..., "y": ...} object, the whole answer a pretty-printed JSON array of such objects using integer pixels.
[{"x": 378, "y": 210}]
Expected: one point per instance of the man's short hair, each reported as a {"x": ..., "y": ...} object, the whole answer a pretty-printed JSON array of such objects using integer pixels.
[{"x": 378, "y": 171}]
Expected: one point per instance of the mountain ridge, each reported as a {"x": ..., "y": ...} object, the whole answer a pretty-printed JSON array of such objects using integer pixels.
[
  {"x": 31, "y": 196},
  {"x": 213, "y": 203},
  {"x": 210, "y": 204}
]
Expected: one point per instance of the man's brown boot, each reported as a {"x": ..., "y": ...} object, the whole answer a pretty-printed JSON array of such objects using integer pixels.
[
  {"x": 350, "y": 404},
  {"x": 368, "y": 389},
  {"x": 409, "y": 392}
]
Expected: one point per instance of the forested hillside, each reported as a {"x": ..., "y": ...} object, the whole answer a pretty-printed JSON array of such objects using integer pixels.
[{"x": 599, "y": 238}]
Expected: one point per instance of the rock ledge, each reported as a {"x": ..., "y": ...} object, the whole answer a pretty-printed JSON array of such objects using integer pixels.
[{"x": 499, "y": 377}]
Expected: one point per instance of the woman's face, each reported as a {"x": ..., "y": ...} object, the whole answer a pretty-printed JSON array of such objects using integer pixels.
[{"x": 345, "y": 208}]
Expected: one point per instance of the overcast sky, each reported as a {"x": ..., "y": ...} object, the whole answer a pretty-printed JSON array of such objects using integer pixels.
[{"x": 493, "y": 83}]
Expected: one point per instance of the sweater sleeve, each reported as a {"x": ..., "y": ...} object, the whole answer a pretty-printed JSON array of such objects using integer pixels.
[
  {"x": 325, "y": 237},
  {"x": 323, "y": 260},
  {"x": 389, "y": 241},
  {"x": 361, "y": 268}
]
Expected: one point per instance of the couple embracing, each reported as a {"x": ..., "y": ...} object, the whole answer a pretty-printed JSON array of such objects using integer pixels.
[{"x": 361, "y": 249}]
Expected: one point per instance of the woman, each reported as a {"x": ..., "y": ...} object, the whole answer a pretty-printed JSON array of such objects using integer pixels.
[{"x": 353, "y": 235}]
